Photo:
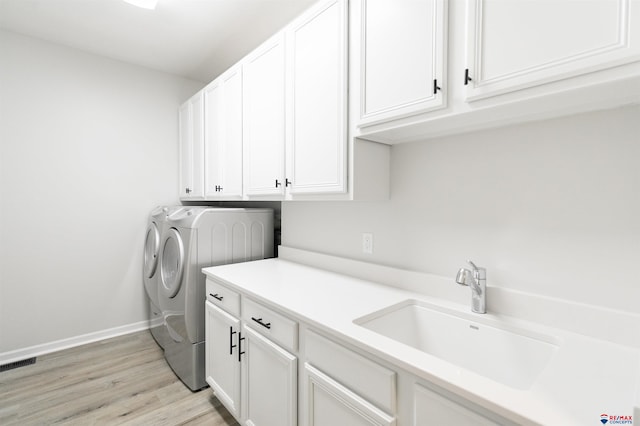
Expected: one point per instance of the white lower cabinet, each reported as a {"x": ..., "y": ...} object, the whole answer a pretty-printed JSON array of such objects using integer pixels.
[
  {"x": 255, "y": 378},
  {"x": 252, "y": 354},
  {"x": 430, "y": 407},
  {"x": 222, "y": 368},
  {"x": 270, "y": 382},
  {"x": 329, "y": 403},
  {"x": 341, "y": 387}
]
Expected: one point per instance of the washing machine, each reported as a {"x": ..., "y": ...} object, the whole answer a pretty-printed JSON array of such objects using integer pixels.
[
  {"x": 195, "y": 238},
  {"x": 151, "y": 273}
]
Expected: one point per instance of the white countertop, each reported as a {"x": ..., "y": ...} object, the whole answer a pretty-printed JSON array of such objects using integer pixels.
[{"x": 584, "y": 378}]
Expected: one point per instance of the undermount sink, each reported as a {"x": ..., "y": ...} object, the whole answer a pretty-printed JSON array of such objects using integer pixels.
[{"x": 510, "y": 356}]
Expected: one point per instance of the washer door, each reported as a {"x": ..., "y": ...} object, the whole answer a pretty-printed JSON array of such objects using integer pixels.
[
  {"x": 151, "y": 250},
  {"x": 172, "y": 263}
]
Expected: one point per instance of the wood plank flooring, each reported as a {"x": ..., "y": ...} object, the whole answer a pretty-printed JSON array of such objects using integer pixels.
[{"x": 119, "y": 381}]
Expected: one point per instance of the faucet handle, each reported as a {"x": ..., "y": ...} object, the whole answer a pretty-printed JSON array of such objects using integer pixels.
[{"x": 481, "y": 273}]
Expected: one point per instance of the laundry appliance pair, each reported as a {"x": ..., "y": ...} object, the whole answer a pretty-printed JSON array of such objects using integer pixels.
[{"x": 179, "y": 242}]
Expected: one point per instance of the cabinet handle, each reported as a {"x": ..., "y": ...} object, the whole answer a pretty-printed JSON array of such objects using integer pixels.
[
  {"x": 187, "y": 190},
  {"x": 287, "y": 182},
  {"x": 467, "y": 79},
  {"x": 231, "y": 345},
  {"x": 218, "y": 188},
  {"x": 278, "y": 183},
  {"x": 436, "y": 87},
  {"x": 216, "y": 296},
  {"x": 240, "y": 351},
  {"x": 259, "y": 321}
]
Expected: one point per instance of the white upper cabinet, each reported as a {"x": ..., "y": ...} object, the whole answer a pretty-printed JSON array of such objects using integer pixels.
[
  {"x": 191, "y": 147},
  {"x": 399, "y": 57},
  {"x": 284, "y": 110},
  {"x": 503, "y": 62},
  {"x": 263, "y": 73},
  {"x": 317, "y": 100},
  {"x": 518, "y": 44},
  {"x": 223, "y": 136}
]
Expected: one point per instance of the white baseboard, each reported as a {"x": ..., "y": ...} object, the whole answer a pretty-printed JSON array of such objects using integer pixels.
[{"x": 58, "y": 345}]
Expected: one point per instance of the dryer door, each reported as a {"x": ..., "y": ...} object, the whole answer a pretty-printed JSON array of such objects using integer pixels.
[
  {"x": 151, "y": 250},
  {"x": 172, "y": 263}
]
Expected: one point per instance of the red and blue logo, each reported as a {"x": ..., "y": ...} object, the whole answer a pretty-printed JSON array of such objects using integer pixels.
[{"x": 616, "y": 420}]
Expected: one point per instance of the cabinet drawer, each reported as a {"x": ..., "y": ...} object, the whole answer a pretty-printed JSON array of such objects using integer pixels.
[
  {"x": 223, "y": 297},
  {"x": 278, "y": 328},
  {"x": 371, "y": 381}
]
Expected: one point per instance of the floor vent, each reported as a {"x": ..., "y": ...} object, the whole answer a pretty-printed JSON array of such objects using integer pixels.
[{"x": 17, "y": 364}]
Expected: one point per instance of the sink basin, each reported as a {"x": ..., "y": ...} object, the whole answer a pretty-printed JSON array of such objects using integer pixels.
[{"x": 510, "y": 356}]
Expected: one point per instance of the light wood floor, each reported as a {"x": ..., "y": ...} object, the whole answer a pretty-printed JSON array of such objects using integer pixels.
[{"x": 123, "y": 381}]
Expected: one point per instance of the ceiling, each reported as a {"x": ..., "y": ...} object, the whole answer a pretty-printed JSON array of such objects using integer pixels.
[{"x": 196, "y": 39}]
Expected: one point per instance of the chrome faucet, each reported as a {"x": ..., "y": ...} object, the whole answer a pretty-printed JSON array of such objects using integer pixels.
[{"x": 478, "y": 284}]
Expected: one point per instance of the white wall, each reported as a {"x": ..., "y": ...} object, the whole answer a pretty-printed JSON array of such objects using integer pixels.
[
  {"x": 551, "y": 208},
  {"x": 88, "y": 148}
]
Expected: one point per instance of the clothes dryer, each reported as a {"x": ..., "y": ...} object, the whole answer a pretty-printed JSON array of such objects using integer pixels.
[
  {"x": 195, "y": 238},
  {"x": 151, "y": 275}
]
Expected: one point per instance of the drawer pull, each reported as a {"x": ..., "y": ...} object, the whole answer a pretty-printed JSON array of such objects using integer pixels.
[
  {"x": 259, "y": 321},
  {"x": 216, "y": 296},
  {"x": 240, "y": 351},
  {"x": 231, "y": 345}
]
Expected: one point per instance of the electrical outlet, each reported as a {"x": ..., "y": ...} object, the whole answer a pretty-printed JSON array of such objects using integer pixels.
[{"x": 367, "y": 243}]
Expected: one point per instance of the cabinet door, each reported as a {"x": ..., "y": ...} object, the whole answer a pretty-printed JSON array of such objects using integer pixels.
[
  {"x": 269, "y": 382},
  {"x": 431, "y": 408},
  {"x": 186, "y": 150},
  {"x": 263, "y": 74},
  {"x": 517, "y": 44},
  {"x": 214, "y": 138},
  {"x": 222, "y": 366},
  {"x": 191, "y": 123},
  {"x": 223, "y": 136},
  {"x": 400, "y": 57},
  {"x": 316, "y": 100},
  {"x": 329, "y": 404}
]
